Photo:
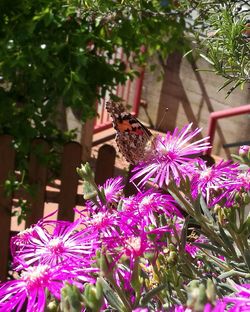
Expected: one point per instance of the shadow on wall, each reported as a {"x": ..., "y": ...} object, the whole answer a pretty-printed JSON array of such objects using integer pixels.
[{"x": 174, "y": 96}]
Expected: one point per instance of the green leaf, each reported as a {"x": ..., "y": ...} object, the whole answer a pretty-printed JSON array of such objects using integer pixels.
[
  {"x": 226, "y": 83},
  {"x": 207, "y": 59},
  {"x": 184, "y": 235},
  {"x": 153, "y": 292},
  {"x": 205, "y": 209},
  {"x": 247, "y": 257},
  {"x": 111, "y": 295},
  {"x": 217, "y": 250},
  {"x": 227, "y": 240},
  {"x": 233, "y": 273}
]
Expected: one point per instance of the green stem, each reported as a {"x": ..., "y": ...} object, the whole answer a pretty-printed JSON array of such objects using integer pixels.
[{"x": 233, "y": 273}]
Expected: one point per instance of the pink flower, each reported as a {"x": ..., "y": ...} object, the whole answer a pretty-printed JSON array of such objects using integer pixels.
[
  {"x": 243, "y": 180},
  {"x": 166, "y": 159},
  {"x": 29, "y": 291},
  {"x": 113, "y": 188},
  {"x": 130, "y": 245},
  {"x": 105, "y": 223},
  {"x": 213, "y": 181},
  {"x": 148, "y": 206},
  {"x": 192, "y": 249},
  {"x": 244, "y": 150},
  {"x": 52, "y": 243},
  {"x": 219, "y": 307},
  {"x": 241, "y": 300}
]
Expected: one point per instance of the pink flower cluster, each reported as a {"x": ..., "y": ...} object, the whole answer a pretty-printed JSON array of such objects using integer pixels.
[
  {"x": 147, "y": 226},
  {"x": 173, "y": 158},
  {"x": 51, "y": 253}
]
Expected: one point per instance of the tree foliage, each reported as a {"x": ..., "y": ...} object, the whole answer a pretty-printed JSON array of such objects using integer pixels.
[{"x": 62, "y": 52}]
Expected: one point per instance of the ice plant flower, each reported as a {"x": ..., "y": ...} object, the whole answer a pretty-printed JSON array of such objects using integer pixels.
[
  {"x": 191, "y": 248},
  {"x": 166, "y": 159},
  {"x": 238, "y": 302},
  {"x": 244, "y": 150},
  {"x": 243, "y": 180},
  {"x": 241, "y": 300},
  {"x": 29, "y": 291},
  {"x": 219, "y": 307},
  {"x": 104, "y": 223},
  {"x": 238, "y": 187},
  {"x": 213, "y": 181},
  {"x": 147, "y": 206},
  {"x": 130, "y": 246},
  {"x": 112, "y": 188},
  {"x": 64, "y": 242}
]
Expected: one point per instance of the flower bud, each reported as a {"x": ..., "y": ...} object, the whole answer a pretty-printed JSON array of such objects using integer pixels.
[
  {"x": 93, "y": 296},
  {"x": 71, "y": 299},
  {"x": 244, "y": 150},
  {"x": 85, "y": 171},
  {"x": 211, "y": 291},
  {"x": 52, "y": 306},
  {"x": 172, "y": 247},
  {"x": 172, "y": 258},
  {"x": 196, "y": 296},
  {"x": 246, "y": 198}
]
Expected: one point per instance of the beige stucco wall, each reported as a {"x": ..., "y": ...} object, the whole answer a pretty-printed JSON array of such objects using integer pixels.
[{"x": 190, "y": 96}]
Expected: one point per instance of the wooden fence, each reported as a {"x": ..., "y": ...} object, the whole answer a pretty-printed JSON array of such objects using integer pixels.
[{"x": 66, "y": 195}]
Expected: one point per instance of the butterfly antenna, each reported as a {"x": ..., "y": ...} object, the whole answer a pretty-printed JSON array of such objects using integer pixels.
[{"x": 163, "y": 117}]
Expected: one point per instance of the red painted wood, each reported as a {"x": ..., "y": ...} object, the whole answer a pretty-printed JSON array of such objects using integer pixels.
[{"x": 245, "y": 109}]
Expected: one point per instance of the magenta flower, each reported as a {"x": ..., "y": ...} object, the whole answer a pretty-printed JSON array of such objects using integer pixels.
[
  {"x": 239, "y": 185},
  {"x": 243, "y": 180},
  {"x": 236, "y": 303},
  {"x": 244, "y": 150},
  {"x": 214, "y": 181},
  {"x": 219, "y": 307},
  {"x": 113, "y": 188},
  {"x": 180, "y": 308},
  {"x": 54, "y": 242},
  {"x": 105, "y": 224},
  {"x": 241, "y": 300},
  {"x": 29, "y": 291},
  {"x": 192, "y": 249},
  {"x": 138, "y": 221},
  {"x": 130, "y": 246},
  {"x": 166, "y": 159},
  {"x": 147, "y": 207}
]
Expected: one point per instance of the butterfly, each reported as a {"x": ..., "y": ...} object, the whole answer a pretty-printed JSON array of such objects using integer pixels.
[{"x": 132, "y": 136}]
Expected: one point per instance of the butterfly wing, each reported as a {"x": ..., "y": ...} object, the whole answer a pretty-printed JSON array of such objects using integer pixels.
[{"x": 131, "y": 135}]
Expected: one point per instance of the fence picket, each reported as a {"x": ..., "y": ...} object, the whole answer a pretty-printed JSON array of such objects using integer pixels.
[
  {"x": 71, "y": 159},
  {"x": 105, "y": 163},
  {"x": 7, "y": 160},
  {"x": 67, "y": 198},
  {"x": 38, "y": 180},
  {"x": 129, "y": 188}
]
